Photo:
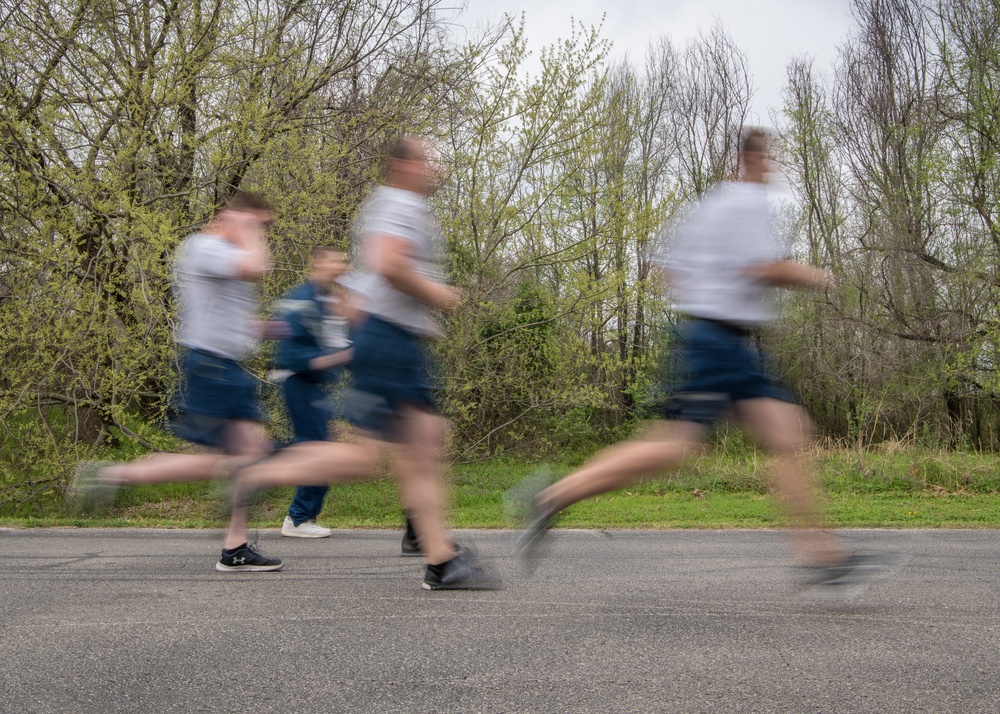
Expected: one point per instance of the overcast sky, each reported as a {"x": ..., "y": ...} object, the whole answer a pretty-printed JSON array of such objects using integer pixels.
[{"x": 770, "y": 32}]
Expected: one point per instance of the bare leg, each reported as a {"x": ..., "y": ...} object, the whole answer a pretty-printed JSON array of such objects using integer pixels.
[
  {"x": 243, "y": 438},
  {"x": 315, "y": 463},
  {"x": 667, "y": 448},
  {"x": 167, "y": 468},
  {"x": 419, "y": 467},
  {"x": 786, "y": 429}
]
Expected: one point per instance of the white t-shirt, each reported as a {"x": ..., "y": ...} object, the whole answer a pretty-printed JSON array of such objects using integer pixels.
[
  {"x": 216, "y": 307},
  {"x": 395, "y": 212},
  {"x": 727, "y": 233},
  {"x": 336, "y": 328}
]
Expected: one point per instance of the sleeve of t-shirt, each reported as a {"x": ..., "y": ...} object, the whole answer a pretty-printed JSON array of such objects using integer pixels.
[
  {"x": 214, "y": 257},
  {"x": 392, "y": 219}
]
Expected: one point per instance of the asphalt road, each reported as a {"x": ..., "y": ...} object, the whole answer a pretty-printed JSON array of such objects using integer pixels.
[{"x": 673, "y": 621}]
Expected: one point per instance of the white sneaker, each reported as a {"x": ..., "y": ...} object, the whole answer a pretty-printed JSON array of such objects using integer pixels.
[{"x": 307, "y": 529}]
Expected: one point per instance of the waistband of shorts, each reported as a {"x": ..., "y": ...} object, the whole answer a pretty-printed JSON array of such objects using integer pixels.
[
  {"x": 395, "y": 327},
  {"x": 742, "y": 328},
  {"x": 212, "y": 355}
]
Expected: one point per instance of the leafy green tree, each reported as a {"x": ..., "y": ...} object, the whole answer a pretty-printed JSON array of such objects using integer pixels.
[{"x": 122, "y": 125}]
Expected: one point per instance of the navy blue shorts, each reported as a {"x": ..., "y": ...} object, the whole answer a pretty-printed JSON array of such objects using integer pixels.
[
  {"x": 214, "y": 391},
  {"x": 722, "y": 364},
  {"x": 390, "y": 368}
]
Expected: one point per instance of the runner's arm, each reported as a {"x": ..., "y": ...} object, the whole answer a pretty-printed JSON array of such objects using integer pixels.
[
  {"x": 394, "y": 262},
  {"x": 788, "y": 273}
]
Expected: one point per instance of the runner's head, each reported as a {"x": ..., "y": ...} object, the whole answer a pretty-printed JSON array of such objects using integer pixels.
[
  {"x": 326, "y": 265},
  {"x": 754, "y": 155},
  {"x": 412, "y": 164},
  {"x": 242, "y": 211}
]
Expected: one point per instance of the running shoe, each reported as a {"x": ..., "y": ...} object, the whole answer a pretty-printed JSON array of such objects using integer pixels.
[
  {"x": 306, "y": 529},
  {"x": 247, "y": 559},
  {"x": 530, "y": 543},
  {"x": 92, "y": 491},
  {"x": 523, "y": 507},
  {"x": 411, "y": 546},
  {"x": 849, "y": 577},
  {"x": 459, "y": 573}
]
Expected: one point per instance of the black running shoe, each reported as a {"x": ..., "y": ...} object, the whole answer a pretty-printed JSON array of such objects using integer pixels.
[
  {"x": 411, "y": 546},
  {"x": 92, "y": 492},
  {"x": 522, "y": 505},
  {"x": 459, "y": 574},
  {"x": 855, "y": 571},
  {"x": 247, "y": 559},
  {"x": 529, "y": 544}
]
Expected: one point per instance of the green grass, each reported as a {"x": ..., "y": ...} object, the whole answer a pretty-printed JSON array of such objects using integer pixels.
[{"x": 727, "y": 488}]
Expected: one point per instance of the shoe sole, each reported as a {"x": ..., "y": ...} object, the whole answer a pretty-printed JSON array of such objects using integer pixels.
[
  {"x": 222, "y": 568},
  {"x": 420, "y": 553},
  {"x": 468, "y": 586}
]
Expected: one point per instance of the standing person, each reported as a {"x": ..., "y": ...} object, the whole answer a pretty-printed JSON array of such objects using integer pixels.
[
  {"x": 724, "y": 265},
  {"x": 215, "y": 273},
  {"x": 315, "y": 352},
  {"x": 400, "y": 249}
]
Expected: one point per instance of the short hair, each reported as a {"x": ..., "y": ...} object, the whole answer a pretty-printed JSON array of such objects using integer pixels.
[
  {"x": 322, "y": 250},
  {"x": 404, "y": 147},
  {"x": 245, "y": 201},
  {"x": 754, "y": 141}
]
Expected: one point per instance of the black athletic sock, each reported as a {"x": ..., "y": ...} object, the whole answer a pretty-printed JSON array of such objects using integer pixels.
[
  {"x": 231, "y": 551},
  {"x": 410, "y": 532}
]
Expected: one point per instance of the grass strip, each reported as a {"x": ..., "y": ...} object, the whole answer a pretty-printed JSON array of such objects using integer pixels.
[{"x": 725, "y": 489}]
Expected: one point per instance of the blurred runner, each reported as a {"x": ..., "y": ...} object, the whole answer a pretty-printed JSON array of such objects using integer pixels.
[
  {"x": 401, "y": 281},
  {"x": 215, "y": 273},
  {"x": 723, "y": 268}
]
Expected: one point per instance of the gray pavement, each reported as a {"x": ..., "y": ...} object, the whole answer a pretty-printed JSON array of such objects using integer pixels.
[{"x": 672, "y": 621}]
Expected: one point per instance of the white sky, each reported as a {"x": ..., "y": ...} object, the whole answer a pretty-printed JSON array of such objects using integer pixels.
[{"x": 770, "y": 32}]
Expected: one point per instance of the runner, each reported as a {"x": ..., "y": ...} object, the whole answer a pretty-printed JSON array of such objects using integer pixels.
[
  {"x": 391, "y": 401},
  {"x": 215, "y": 273},
  {"x": 724, "y": 265}
]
